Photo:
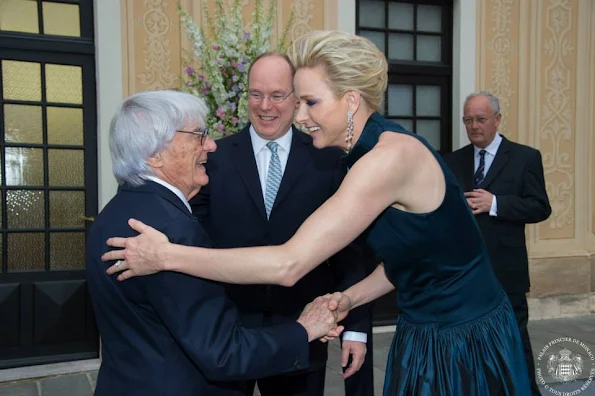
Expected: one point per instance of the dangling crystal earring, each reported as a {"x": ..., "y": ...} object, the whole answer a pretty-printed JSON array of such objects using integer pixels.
[{"x": 349, "y": 137}]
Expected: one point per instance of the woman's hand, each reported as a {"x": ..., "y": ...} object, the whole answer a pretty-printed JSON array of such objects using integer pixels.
[
  {"x": 144, "y": 254},
  {"x": 341, "y": 304}
]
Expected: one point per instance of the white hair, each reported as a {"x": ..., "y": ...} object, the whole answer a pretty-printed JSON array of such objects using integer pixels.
[
  {"x": 144, "y": 124},
  {"x": 494, "y": 102}
]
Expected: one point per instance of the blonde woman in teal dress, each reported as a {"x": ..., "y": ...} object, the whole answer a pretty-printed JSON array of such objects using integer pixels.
[{"x": 456, "y": 333}]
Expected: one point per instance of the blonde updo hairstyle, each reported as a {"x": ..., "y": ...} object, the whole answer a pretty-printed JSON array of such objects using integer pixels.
[{"x": 352, "y": 63}]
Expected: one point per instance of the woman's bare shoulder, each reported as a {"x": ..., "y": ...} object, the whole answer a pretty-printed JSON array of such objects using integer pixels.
[{"x": 399, "y": 148}]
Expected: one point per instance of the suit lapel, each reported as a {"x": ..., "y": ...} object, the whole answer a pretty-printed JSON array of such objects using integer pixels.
[
  {"x": 295, "y": 164},
  {"x": 499, "y": 161},
  {"x": 468, "y": 167},
  {"x": 246, "y": 165},
  {"x": 151, "y": 187}
]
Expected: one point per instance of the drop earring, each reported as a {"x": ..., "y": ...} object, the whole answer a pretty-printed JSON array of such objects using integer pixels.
[{"x": 349, "y": 137}]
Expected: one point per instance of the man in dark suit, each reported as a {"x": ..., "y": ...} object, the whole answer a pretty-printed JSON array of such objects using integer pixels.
[
  {"x": 169, "y": 333},
  {"x": 505, "y": 188},
  {"x": 264, "y": 182}
]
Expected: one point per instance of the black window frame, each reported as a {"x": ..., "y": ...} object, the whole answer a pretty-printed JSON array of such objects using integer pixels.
[{"x": 418, "y": 72}]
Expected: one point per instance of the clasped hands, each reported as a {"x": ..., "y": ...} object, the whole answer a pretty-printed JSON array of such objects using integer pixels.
[
  {"x": 479, "y": 200},
  {"x": 320, "y": 317}
]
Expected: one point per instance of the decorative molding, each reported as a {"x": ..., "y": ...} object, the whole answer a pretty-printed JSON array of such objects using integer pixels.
[
  {"x": 556, "y": 114},
  {"x": 502, "y": 47},
  {"x": 158, "y": 58},
  {"x": 302, "y": 11}
]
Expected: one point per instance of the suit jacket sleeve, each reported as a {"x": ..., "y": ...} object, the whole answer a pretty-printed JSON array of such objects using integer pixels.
[
  {"x": 532, "y": 205},
  {"x": 349, "y": 267},
  {"x": 205, "y": 323}
]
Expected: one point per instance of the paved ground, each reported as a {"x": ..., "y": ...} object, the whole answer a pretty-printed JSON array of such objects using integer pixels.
[{"x": 543, "y": 332}]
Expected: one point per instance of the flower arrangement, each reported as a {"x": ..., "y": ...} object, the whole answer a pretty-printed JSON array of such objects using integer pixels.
[{"x": 218, "y": 66}]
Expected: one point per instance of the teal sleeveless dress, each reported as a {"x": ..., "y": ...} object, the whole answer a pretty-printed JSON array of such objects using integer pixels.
[{"x": 456, "y": 334}]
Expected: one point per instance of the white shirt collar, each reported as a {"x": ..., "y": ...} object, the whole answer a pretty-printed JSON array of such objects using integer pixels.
[
  {"x": 259, "y": 143},
  {"x": 492, "y": 148},
  {"x": 172, "y": 188}
]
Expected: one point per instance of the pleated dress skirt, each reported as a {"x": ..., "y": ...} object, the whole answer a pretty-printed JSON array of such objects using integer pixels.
[{"x": 483, "y": 357}]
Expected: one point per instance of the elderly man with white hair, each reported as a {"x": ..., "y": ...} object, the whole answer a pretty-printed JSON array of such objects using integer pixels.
[{"x": 172, "y": 334}]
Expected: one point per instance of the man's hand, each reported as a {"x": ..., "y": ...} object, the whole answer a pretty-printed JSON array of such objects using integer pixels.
[
  {"x": 479, "y": 200},
  {"x": 357, "y": 350},
  {"x": 318, "y": 319}
]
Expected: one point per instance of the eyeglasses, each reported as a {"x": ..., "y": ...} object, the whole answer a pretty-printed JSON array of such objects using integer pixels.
[
  {"x": 274, "y": 98},
  {"x": 479, "y": 119},
  {"x": 201, "y": 133}
]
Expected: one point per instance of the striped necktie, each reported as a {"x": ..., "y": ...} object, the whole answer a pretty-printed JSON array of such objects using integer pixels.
[
  {"x": 479, "y": 174},
  {"x": 273, "y": 178}
]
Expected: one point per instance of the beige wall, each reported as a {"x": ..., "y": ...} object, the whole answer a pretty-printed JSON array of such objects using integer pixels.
[
  {"x": 538, "y": 57},
  {"x": 154, "y": 45}
]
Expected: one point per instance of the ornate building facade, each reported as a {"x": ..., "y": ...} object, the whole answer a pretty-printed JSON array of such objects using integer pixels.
[
  {"x": 66, "y": 64},
  {"x": 536, "y": 56}
]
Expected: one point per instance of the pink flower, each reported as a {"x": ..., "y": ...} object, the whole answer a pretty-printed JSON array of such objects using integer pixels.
[
  {"x": 190, "y": 71},
  {"x": 235, "y": 120},
  {"x": 220, "y": 112},
  {"x": 215, "y": 47},
  {"x": 220, "y": 127}
]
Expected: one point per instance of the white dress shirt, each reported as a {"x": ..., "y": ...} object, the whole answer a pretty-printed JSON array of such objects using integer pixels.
[
  {"x": 173, "y": 189},
  {"x": 262, "y": 155},
  {"x": 489, "y": 156}
]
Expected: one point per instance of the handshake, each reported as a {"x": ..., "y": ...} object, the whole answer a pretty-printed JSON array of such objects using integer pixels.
[{"x": 320, "y": 317}]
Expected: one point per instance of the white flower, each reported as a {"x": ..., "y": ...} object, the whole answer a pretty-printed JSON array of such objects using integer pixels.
[{"x": 223, "y": 59}]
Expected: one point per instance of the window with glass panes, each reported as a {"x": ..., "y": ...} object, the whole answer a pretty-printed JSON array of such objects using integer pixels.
[{"x": 416, "y": 37}]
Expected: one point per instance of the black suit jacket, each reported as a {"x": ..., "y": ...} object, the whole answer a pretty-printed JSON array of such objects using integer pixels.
[
  {"x": 170, "y": 333},
  {"x": 231, "y": 208},
  {"x": 516, "y": 179}
]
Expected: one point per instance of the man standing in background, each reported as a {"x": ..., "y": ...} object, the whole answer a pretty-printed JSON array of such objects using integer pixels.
[{"x": 505, "y": 188}]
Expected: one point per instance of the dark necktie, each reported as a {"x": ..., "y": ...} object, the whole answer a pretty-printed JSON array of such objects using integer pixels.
[{"x": 479, "y": 174}]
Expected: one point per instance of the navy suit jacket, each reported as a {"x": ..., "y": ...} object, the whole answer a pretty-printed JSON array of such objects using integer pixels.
[
  {"x": 516, "y": 179},
  {"x": 231, "y": 208},
  {"x": 170, "y": 333}
]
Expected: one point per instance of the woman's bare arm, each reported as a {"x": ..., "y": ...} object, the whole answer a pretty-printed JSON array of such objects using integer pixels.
[
  {"x": 369, "y": 289},
  {"x": 369, "y": 188}
]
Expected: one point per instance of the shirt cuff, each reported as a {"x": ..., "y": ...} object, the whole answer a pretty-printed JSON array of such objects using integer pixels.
[
  {"x": 355, "y": 336},
  {"x": 494, "y": 208}
]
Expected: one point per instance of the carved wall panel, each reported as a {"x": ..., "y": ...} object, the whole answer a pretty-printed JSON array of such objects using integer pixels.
[
  {"x": 499, "y": 58},
  {"x": 537, "y": 56},
  {"x": 154, "y": 45},
  {"x": 151, "y": 35},
  {"x": 557, "y": 60}
]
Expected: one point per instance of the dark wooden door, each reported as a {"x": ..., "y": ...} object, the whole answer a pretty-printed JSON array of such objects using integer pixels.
[{"x": 48, "y": 181}]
